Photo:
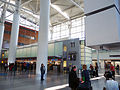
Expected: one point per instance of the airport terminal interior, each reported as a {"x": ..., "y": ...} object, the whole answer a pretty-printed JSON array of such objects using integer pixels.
[{"x": 42, "y": 42}]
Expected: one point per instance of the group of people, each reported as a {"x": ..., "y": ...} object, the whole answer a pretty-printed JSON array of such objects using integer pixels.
[
  {"x": 111, "y": 84},
  {"x": 24, "y": 66},
  {"x": 111, "y": 71},
  {"x": 93, "y": 71},
  {"x": 82, "y": 83},
  {"x": 12, "y": 67}
]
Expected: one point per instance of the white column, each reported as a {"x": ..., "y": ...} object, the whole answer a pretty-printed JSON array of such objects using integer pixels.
[
  {"x": 2, "y": 20},
  {"x": 42, "y": 56},
  {"x": 14, "y": 33},
  {"x": 84, "y": 55},
  {"x": 51, "y": 32},
  {"x": 97, "y": 51},
  {"x": 69, "y": 27},
  {"x": 102, "y": 64}
]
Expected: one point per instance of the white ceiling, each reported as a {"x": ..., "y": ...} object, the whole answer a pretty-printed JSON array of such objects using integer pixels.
[{"x": 73, "y": 8}]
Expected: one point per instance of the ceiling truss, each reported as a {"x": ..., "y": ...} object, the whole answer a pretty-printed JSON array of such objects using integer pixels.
[{"x": 35, "y": 10}]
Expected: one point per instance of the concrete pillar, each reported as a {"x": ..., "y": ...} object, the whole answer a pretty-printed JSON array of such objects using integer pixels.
[
  {"x": 102, "y": 64},
  {"x": 97, "y": 52},
  {"x": 14, "y": 33},
  {"x": 69, "y": 27},
  {"x": 1, "y": 36},
  {"x": 51, "y": 32},
  {"x": 60, "y": 31},
  {"x": 84, "y": 55},
  {"x": 2, "y": 20},
  {"x": 42, "y": 56}
]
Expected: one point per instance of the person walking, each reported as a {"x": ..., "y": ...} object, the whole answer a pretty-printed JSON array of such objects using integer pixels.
[
  {"x": 117, "y": 69},
  {"x": 73, "y": 79},
  {"x": 42, "y": 69}
]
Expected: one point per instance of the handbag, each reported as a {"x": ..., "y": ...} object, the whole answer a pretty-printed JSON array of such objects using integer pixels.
[{"x": 85, "y": 84}]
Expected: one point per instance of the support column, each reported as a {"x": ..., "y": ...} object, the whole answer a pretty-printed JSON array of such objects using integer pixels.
[
  {"x": 69, "y": 27},
  {"x": 42, "y": 56},
  {"x": 97, "y": 51},
  {"x": 2, "y": 20},
  {"x": 102, "y": 64},
  {"x": 14, "y": 33},
  {"x": 51, "y": 32},
  {"x": 84, "y": 55}
]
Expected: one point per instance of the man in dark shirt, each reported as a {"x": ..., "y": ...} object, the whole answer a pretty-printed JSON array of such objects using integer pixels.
[
  {"x": 73, "y": 79},
  {"x": 42, "y": 69}
]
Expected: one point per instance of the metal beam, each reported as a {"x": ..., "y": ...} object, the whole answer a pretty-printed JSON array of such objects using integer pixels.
[
  {"x": 14, "y": 5},
  {"x": 63, "y": 11},
  {"x": 36, "y": 6},
  {"x": 24, "y": 9},
  {"x": 54, "y": 1},
  {"x": 4, "y": 1},
  {"x": 60, "y": 11},
  {"x": 21, "y": 16},
  {"x": 77, "y": 5},
  {"x": 71, "y": 18},
  {"x": 25, "y": 3},
  {"x": 1, "y": 5}
]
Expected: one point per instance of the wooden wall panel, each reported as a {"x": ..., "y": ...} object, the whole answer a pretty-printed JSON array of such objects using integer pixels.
[{"x": 23, "y": 33}]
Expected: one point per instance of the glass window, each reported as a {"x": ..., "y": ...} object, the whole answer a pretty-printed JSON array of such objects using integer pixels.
[
  {"x": 82, "y": 62},
  {"x": 82, "y": 58},
  {"x": 77, "y": 29},
  {"x": 82, "y": 54}
]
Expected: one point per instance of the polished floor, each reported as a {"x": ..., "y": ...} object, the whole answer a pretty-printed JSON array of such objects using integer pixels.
[{"x": 54, "y": 81}]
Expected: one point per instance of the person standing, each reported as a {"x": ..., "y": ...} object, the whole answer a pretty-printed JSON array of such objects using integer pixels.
[
  {"x": 111, "y": 84},
  {"x": 91, "y": 71},
  {"x": 73, "y": 79},
  {"x": 85, "y": 83},
  {"x": 96, "y": 70},
  {"x": 5, "y": 67},
  {"x": 112, "y": 68},
  {"x": 42, "y": 69},
  {"x": 117, "y": 69},
  {"x": 15, "y": 68}
]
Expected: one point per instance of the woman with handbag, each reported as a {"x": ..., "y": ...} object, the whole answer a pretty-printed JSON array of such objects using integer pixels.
[{"x": 85, "y": 83}]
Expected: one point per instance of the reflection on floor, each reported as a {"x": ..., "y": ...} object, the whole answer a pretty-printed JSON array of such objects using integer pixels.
[{"x": 54, "y": 81}]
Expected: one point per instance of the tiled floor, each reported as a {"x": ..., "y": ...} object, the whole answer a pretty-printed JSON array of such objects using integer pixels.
[{"x": 54, "y": 81}]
